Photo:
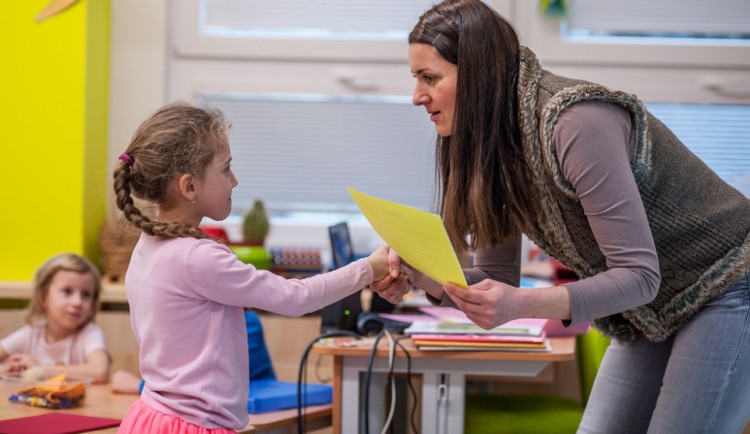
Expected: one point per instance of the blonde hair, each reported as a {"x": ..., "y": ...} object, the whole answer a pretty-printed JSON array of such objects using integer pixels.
[
  {"x": 179, "y": 138},
  {"x": 44, "y": 275}
]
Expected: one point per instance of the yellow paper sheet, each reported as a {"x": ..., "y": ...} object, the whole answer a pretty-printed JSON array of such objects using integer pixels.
[{"x": 419, "y": 237}]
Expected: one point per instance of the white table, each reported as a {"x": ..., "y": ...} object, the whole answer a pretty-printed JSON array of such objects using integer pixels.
[{"x": 443, "y": 379}]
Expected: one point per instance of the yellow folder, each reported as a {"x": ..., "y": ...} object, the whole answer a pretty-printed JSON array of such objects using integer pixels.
[{"x": 419, "y": 237}]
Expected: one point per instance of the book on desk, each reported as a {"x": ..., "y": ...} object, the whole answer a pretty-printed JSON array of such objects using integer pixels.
[
  {"x": 519, "y": 335},
  {"x": 448, "y": 329}
]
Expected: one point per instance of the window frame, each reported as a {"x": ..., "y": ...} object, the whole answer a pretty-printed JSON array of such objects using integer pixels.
[{"x": 546, "y": 37}]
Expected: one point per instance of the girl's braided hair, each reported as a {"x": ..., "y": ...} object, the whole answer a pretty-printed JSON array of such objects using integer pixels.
[{"x": 179, "y": 138}]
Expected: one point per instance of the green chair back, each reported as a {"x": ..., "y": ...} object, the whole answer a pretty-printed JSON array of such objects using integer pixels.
[
  {"x": 511, "y": 414},
  {"x": 592, "y": 346}
]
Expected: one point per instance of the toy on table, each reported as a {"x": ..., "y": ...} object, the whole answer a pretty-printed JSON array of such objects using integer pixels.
[{"x": 53, "y": 393}]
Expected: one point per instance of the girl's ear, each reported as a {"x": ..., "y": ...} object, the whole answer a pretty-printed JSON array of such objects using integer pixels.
[
  {"x": 43, "y": 300},
  {"x": 186, "y": 186}
]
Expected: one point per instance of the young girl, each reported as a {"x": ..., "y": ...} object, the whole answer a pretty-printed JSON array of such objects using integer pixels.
[
  {"x": 60, "y": 335},
  {"x": 187, "y": 292}
]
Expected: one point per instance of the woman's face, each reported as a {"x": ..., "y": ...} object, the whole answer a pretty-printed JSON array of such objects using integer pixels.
[{"x": 436, "y": 85}]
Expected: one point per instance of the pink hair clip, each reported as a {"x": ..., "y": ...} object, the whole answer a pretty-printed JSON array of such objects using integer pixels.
[{"x": 127, "y": 159}]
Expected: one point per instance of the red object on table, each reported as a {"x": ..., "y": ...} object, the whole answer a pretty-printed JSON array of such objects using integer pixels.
[
  {"x": 56, "y": 423},
  {"x": 217, "y": 233}
]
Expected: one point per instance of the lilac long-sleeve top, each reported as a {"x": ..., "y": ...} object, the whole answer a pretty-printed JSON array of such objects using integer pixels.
[
  {"x": 186, "y": 299},
  {"x": 594, "y": 146}
]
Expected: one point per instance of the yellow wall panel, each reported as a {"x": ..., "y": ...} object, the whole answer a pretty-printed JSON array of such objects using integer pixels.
[{"x": 53, "y": 129}]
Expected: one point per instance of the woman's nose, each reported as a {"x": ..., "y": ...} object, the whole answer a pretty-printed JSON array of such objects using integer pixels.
[{"x": 419, "y": 97}]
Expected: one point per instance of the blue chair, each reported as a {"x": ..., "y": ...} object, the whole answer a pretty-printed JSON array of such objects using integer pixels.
[
  {"x": 266, "y": 392},
  {"x": 513, "y": 414},
  {"x": 260, "y": 362}
]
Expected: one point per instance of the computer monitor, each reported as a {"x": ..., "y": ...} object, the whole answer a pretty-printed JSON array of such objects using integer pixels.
[
  {"x": 343, "y": 314},
  {"x": 342, "y": 251}
]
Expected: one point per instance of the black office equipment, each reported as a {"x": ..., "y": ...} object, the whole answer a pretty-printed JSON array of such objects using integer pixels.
[
  {"x": 343, "y": 314},
  {"x": 371, "y": 323}
]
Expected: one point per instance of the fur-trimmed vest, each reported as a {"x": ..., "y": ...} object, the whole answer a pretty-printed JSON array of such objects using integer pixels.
[{"x": 700, "y": 224}]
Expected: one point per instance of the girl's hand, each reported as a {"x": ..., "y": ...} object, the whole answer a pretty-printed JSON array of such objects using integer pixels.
[
  {"x": 488, "y": 303},
  {"x": 125, "y": 382},
  {"x": 19, "y": 362},
  {"x": 379, "y": 262},
  {"x": 397, "y": 283}
]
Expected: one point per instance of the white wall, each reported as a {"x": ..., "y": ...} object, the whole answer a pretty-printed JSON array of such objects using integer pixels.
[{"x": 137, "y": 81}]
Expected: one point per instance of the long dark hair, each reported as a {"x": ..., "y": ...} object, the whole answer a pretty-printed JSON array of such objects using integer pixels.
[{"x": 482, "y": 171}]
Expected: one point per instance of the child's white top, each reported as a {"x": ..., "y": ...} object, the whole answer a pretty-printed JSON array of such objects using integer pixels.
[
  {"x": 186, "y": 305},
  {"x": 73, "y": 350}
]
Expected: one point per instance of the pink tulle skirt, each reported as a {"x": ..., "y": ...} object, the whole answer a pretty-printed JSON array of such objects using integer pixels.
[{"x": 142, "y": 418}]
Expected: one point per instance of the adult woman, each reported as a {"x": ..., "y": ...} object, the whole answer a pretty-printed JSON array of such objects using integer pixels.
[{"x": 660, "y": 242}]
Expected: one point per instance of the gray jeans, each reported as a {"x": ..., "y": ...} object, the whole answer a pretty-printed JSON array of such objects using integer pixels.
[{"x": 698, "y": 381}]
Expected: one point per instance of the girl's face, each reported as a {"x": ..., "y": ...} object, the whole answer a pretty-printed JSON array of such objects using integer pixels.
[
  {"x": 213, "y": 196},
  {"x": 69, "y": 302},
  {"x": 436, "y": 85}
]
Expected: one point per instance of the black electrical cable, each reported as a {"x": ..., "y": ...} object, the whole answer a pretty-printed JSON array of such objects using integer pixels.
[
  {"x": 390, "y": 381},
  {"x": 413, "y": 391},
  {"x": 301, "y": 376},
  {"x": 366, "y": 399},
  {"x": 302, "y": 365}
]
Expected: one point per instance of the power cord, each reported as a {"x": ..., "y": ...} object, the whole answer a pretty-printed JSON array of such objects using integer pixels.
[
  {"x": 366, "y": 399},
  {"x": 318, "y": 375},
  {"x": 410, "y": 384},
  {"x": 393, "y": 343},
  {"x": 302, "y": 373},
  {"x": 390, "y": 382},
  {"x": 391, "y": 365}
]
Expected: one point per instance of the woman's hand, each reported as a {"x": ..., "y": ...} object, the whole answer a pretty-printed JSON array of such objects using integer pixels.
[
  {"x": 488, "y": 303},
  {"x": 396, "y": 283}
]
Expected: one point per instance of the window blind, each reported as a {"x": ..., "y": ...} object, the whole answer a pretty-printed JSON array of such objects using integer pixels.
[
  {"x": 382, "y": 19},
  {"x": 301, "y": 151},
  {"x": 663, "y": 18},
  {"x": 718, "y": 134}
]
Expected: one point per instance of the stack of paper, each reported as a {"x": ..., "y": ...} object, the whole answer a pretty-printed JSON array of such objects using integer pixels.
[{"x": 451, "y": 330}]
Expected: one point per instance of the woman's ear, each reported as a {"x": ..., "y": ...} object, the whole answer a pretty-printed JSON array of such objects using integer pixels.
[{"x": 186, "y": 186}]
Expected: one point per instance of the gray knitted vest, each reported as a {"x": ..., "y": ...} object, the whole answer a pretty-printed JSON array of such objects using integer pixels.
[{"x": 700, "y": 224}]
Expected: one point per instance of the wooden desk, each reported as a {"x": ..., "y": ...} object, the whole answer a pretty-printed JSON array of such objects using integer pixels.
[
  {"x": 315, "y": 416},
  {"x": 443, "y": 379},
  {"x": 100, "y": 402}
]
